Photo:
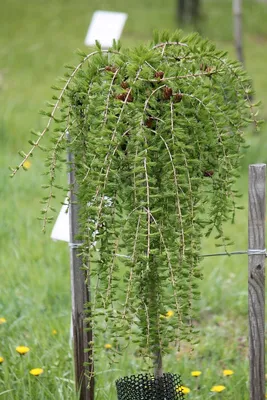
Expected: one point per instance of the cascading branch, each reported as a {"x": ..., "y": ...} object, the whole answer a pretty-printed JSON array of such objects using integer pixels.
[{"x": 156, "y": 133}]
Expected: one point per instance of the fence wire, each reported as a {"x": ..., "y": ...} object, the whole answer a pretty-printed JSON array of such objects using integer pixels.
[{"x": 249, "y": 252}]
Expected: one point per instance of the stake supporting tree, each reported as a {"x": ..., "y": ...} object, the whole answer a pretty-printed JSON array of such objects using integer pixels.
[
  {"x": 256, "y": 279},
  {"x": 82, "y": 332}
]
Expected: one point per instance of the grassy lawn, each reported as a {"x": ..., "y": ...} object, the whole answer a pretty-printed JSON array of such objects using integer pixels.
[{"x": 36, "y": 38}]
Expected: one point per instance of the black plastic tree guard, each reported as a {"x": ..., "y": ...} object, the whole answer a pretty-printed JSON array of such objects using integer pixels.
[{"x": 147, "y": 387}]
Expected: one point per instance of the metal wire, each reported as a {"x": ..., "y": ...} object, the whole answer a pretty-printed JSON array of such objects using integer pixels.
[
  {"x": 75, "y": 245},
  {"x": 249, "y": 252}
]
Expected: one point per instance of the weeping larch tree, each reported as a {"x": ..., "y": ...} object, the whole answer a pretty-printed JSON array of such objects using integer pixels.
[{"x": 156, "y": 133}]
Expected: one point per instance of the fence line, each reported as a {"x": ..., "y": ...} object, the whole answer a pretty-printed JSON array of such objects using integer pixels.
[{"x": 249, "y": 252}]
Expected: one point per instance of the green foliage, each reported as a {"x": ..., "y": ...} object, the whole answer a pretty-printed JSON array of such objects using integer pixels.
[{"x": 156, "y": 134}]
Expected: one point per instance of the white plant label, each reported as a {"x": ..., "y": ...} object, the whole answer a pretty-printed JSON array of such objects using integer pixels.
[
  {"x": 61, "y": 230},
  {"x": 105, "y": 26}
]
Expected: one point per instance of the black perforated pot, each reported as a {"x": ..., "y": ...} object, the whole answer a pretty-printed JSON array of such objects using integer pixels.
[{"x": 146, "y": 387}]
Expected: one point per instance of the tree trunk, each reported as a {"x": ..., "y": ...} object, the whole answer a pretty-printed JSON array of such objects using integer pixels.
[{"x": 158, "y": 369}]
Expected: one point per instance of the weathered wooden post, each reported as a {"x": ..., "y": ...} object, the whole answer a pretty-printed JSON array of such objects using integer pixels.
[
  {"x": 256, "y": 279},
  {"x": 195, "y": 11},
  {"x": 188, "y": 11},
  {"x": 237, "y": 13},
  {"x": 82, "y": 333},
  {"x": 181, "y": 11}
]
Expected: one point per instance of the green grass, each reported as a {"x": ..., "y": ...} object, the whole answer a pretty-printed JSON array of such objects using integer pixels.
[{"x": 36, "y": 39}]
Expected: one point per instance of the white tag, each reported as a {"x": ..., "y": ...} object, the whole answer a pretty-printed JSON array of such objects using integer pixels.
[
  {"x": 105, "y": 26},
  {"x": 61, "y": 229}
]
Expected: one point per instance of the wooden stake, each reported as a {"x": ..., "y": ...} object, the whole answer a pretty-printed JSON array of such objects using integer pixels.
[
  {"x": 82, "y": 334},
  {"x": 237, "y": 12},
  {"x": 188, "y": 11},
  {"x": 195, "y": 11},
  {"x": 181, "y": 11},
  {"x": 256, "y": 280}
]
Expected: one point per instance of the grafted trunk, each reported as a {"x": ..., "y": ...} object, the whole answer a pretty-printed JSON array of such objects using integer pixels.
[{"x": 158, "y": 369}]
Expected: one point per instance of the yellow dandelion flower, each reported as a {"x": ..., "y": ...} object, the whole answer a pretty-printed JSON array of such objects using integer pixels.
[
  {"x": 54, "y": 332},
  {"x": 2, "y": 321},
  {"x": 36, "y": 371},
  {"x": 22, "y": 350},
  {"x": 196, "y": 373},
  {"x": 217, "y": 388},
  {"x": 108, "y": 346},
  {"x": 227, "y": 372},
  {"x": 183, "y": 389},
  {"x": 2, "y": 360},
  {"x": 27, "y": 164},
  {"x": 169, "y": 314}
]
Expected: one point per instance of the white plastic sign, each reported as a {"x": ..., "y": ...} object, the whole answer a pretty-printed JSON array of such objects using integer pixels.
[
  {"x": 105, "y": 26},
  {"x": 61, "y": 230}
]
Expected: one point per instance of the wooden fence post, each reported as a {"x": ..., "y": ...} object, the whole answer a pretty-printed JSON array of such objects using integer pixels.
[
  {"x": 82, "y": 334},
  {"x": 181, "y": 11},
  {"x": 256, "y": 279},
  {"x": 188, "y": 11}
]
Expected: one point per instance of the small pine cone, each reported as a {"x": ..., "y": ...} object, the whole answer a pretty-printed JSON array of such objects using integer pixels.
[
  {"x": 123, "y": 96},
  {"x": 159, "y": 74},
  {"x": 130, "y": 98},
  {"x": 111, "y": 69},
  {"x": 177, "y": 97},
  {"x": 124, "y": 85},
  {"x": 149, "y": 122},
  {"x": 167, "y": 93},
  {"x": 208, "y": 173}
]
